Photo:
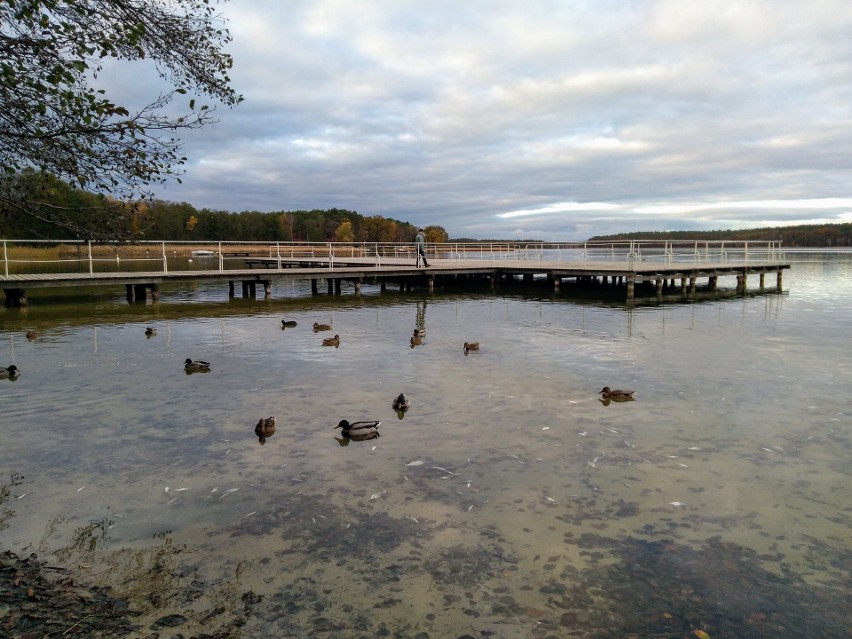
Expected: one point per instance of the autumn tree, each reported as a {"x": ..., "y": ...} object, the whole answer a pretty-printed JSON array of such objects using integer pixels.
[
  {"x": 344, "y": 232},
  {"x": 57, "y": 118}
]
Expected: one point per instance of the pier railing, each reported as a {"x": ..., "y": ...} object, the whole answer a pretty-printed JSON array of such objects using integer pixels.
[{"x": 63, "y": 256}]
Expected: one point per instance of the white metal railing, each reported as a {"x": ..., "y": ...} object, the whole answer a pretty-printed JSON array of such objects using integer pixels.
[{"x": 58, "y": 256}]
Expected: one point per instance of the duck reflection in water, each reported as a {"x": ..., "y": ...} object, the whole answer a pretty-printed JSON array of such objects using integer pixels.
[{"x": 265, "y": 428}]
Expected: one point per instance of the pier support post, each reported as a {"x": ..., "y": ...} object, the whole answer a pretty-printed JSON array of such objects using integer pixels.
[
  {"x": 17, "y": 297},
  {"x": 431, "y": 282},
  {"x": 713, "y": 282},
  {"x": 631, "y": 287},
  {"x": 692, "y": 282},
  {"x": 139, "y": 292},
  {"x": 683, "y": 285},
  {"x": 267, "y": 289},
  {"x": 383, "y": 286},
  {"x": 330, "y": 285},
  {"x": 128, "y": 292},
  {"x": 658, "y": 285},
  {"x": 741, "y": 283},
  {"x": 778, "y": 280},
  {"x": 230, "y": 289},
  {"x": 557, "y": 282},
  {"x": 762, "y": 279},
  {"x": 155, "y": 292},
  {"x": 337, "y": 286},
  {"x": 528, "y": 277},
  {"x": 314, "y": 288},
  {"x": 357, "y": 284}
]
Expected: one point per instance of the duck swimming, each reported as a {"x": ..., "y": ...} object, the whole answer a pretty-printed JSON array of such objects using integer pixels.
[
  {"x": 359, "y": 431},
  {"x": 420, "y": 332},
  {"x": 617, "y": 395},
  {"x": 287, "y": 324},
  {"x": 197, "y": 366},
  {"x": 265, "y": 428},
  {"x": 415, "y": 341},
  {"x": 31, "y": 335},
  {"x": 150, "y": 332},
  {"x": 10, "y": 372},
  {"x": 321, "y": 327},
  {"x": 470, "y": 346},
  {"x": 401, "y": 402},
  {"x": 332, "y": 341}
]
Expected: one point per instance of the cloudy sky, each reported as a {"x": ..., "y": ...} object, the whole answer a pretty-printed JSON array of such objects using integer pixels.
[{"x": 549, "y": 119}]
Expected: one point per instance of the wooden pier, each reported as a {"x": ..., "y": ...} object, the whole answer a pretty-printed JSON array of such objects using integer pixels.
[{"x": 627, "y": 269}]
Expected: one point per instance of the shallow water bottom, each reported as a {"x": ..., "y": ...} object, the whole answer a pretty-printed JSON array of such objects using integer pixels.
[{"x": 509, "y": 501}]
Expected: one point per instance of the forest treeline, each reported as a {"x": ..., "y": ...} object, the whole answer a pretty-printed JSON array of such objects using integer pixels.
[
  {"x": 804, "y": 235},
  {"x": 66, "y": 213},
  {"x": 81, "y": 212}
]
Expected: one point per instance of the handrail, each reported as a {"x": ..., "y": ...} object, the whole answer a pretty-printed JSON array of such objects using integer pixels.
[{"x": 37, "y": 255}]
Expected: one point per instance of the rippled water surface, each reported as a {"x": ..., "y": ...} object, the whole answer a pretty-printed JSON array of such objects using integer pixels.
[{"x": 508, "y": 502}]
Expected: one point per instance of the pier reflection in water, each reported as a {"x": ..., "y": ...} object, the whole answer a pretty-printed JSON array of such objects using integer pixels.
[{"x": 509, "y": 502}]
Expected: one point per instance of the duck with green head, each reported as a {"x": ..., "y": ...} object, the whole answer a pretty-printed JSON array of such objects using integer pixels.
[
  {"x": 10, "y": 372},
  {"x": 359, "y": 431},
  {"x": 196, "y": 366}
]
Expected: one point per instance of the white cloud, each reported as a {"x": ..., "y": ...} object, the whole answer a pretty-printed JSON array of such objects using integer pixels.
[{"x": 586, "y": 118}]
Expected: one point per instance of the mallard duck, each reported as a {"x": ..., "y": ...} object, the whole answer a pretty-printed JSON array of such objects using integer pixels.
[
  {"x": 415, "y": 341},
  {"x": 150, "y": 332},
  {"x": 420, "y": 332},
  {"x": 197, "y": 366},
  {"x": 31, "y": 335},
  {"x": 10, "y": 372},
  {"x": 359, "y": 430},
  {"x": 321, "y": 327},
  {"x": 332, "y": 341},
  {"x": 617, "y": 395},
  {"x": 401, "y": 402},
  {"x": 287, "y": 324},
  {"x": 470, "y": 346},
  {"x": 265, "y": 428}
]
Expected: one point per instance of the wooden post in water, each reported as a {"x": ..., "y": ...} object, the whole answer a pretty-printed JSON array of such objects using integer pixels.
[
  {"x": 357, "y": 284},
  {"x": 713, "y": 282},
  {"x": 337, "y": 286},
  {"x": 692, "y": 282},
  {"x": 314, "y": 288},
  {"x": 267, "y": 289},
  {"x": 230, "y": 289},
  {"x": 762, "y": 280},
  {"x": 15, "y": 297},
  {"x": 155, "y": 292},
  {"x": 631, "y": 286},
  {"x": 683, "y": 285},
  {"x": 431, "y": 282},
  {"x": 778, "y": 280},
  {"x": 330, "y": 285}
]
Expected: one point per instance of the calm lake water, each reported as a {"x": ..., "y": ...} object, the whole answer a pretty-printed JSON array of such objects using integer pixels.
[{"x": 508, "y": 502}]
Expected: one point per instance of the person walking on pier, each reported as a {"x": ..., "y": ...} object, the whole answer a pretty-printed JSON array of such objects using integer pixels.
[{"x": 420, "y": 241}]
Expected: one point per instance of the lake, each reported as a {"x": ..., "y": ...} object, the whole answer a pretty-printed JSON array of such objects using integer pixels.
[{"x": 508, "y": 501}]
